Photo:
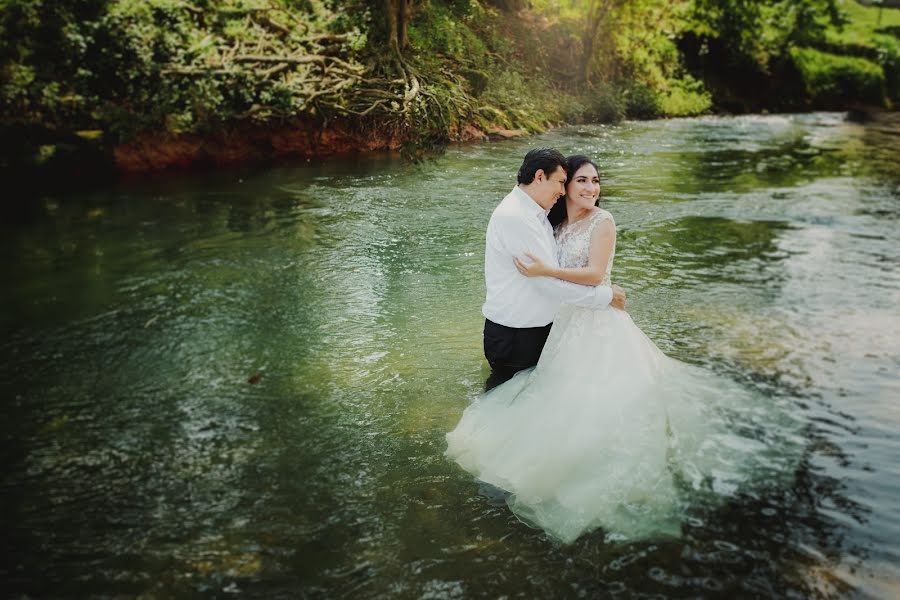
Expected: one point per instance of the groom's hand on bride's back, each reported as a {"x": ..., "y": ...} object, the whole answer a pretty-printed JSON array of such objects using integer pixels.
[{"x": 618, "y": 300}]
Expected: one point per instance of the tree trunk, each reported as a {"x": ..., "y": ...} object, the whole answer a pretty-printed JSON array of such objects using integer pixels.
[
  {"x": 403, "y": 18},
  {"x": 590, "y": 34},
  {"x": 397, "y": 14},
  {"x": 391, "y": 13}
]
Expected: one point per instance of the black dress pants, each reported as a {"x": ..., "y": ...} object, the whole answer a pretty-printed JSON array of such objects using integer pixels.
[{"x": 511, "y": 349}]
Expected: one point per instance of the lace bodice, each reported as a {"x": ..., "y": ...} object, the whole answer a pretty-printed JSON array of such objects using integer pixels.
[{"x": 574, "y": 242}]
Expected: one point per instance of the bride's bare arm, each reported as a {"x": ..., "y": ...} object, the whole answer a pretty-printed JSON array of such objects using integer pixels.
[{"x": 603, "y": 240}]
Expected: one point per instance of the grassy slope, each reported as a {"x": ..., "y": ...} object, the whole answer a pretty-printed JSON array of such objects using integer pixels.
[
  {"x": 863, "y": 24},
  {"x": 873, "y": 34}
]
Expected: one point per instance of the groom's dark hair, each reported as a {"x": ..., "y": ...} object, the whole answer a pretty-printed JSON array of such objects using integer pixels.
[{"x": 546, "y": 159}]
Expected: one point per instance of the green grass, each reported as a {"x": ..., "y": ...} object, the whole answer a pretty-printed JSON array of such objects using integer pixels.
[
  {"x": 865, "y": 36},
  {"x": 830, "y": 78},
  {"x": 863, "y": 26}
]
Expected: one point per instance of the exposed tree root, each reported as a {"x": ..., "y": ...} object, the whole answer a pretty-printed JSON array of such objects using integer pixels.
[{"x": 316, "y": 71}]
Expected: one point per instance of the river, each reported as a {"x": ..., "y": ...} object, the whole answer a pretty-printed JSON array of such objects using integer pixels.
[{"x": 238, "y": 382}]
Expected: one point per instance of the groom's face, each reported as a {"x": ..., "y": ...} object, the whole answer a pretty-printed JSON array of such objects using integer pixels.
[{"x": 549, "y": 187}]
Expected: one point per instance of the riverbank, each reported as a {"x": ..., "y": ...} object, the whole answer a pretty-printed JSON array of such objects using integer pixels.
[
  {"x": 82, "y": 162},
  {"x": 156, "y": 85},
  {"x": 252, "y": 145},
  {"x": 249, "y": 146},
  {"x": 84, "y": 155}
]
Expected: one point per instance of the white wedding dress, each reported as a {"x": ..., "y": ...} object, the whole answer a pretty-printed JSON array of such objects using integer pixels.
[{"x": 606, "y": 431}]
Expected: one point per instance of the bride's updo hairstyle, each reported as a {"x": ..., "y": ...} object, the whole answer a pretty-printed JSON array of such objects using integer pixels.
[{"x": 557, "y": 213}]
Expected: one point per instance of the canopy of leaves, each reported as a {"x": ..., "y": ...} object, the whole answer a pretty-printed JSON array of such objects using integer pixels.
[{"x": 426, "y": 68}]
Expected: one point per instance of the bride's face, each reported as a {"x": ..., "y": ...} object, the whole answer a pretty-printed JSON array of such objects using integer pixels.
[{"x": 583, "y": 188}]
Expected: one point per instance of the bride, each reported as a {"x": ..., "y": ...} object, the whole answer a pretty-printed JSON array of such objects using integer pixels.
[{"x": 606, "y": 431}]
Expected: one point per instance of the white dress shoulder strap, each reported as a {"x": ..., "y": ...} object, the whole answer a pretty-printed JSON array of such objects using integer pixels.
[{"x": 601, "y": 215}]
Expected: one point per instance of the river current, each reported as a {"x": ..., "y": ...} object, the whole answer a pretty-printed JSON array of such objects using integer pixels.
[{"x": 238, "y": 383}]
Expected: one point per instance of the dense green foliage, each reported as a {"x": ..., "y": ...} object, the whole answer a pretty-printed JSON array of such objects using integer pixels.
[
  {"x": 762, "y": 55},
  {"x": 133, "y": 66},
  {"x": 872, "y": 34},
  {"x": 834, "y": 80},
  {"x": 426, "y": 69}
]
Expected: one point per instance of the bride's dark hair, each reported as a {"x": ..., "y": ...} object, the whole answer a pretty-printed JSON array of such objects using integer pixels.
[{"x": 557, "y": 213}]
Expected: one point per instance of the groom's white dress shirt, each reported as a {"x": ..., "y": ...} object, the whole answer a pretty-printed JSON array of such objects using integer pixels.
[{"x": 520, "y": 225}]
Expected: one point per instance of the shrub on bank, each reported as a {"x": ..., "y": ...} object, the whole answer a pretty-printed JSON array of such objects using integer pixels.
[
  {"x": 888, "y": 56},
  {"x": 607, "y": 104},
  {"x": 642, "y": 102},
  {"x": 511, "y": 101},
  {"x": 686, "y": 97},
  {"x": 833, "y": 81}
]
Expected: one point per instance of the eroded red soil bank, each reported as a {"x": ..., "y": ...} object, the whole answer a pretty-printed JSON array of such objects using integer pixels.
[{"x": 249, "y": 144}]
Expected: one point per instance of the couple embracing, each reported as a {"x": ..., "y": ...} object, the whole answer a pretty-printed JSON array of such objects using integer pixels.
[{"x": 585, "y": 423}]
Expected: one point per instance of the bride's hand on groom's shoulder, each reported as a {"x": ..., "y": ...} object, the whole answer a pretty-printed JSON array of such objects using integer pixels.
[{"x": 618, "y": 300}]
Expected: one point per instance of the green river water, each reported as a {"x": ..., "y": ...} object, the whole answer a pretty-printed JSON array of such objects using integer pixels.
[{"x": 237, "y": 384}]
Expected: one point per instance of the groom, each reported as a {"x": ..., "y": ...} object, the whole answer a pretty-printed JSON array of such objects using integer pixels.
[{"x": 519, "y": 310}]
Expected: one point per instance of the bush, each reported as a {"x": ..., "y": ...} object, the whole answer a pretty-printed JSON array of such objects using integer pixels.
[
  {"x": 686, "y": 97},
  {"x": 437, "y": 30},
  {"x": 606, "y": 105},
  {"x": 572, "y": 108},
  {"x": 510, "y": 100},
  {"x": 832, "y": 81},
  {"x": 888, "y": 56},
  {"x": 43, "y": 49},
  {"x": 131, "y": 66},
  {"x": 641, "y": 102}
]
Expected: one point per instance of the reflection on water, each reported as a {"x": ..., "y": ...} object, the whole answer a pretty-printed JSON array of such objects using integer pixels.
[{"x": 239, "y": 382}]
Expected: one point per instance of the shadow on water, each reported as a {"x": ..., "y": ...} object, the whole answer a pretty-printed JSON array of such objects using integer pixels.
[{"x": 240, "y": 384}]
